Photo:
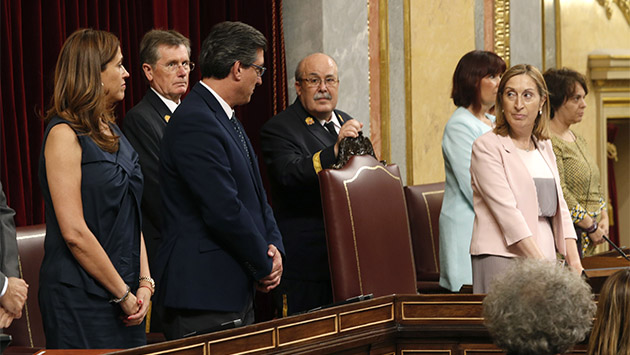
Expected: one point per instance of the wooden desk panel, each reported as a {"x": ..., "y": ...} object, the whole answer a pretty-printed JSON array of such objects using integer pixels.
[{"x": 396, "y": 324}]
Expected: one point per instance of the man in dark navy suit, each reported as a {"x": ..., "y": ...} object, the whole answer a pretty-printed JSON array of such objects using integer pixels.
[
  {"x": 221, "y": 241},
  {"x": 298, "y": 143},
  {"x": 165, "y": 58}
]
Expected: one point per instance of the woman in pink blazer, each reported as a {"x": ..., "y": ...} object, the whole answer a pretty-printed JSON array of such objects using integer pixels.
[{"x": 519, "y": 207}]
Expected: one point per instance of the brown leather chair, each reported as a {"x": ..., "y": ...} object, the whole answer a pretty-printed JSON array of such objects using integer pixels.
[
  {"x": 28, "y": 331},
  {"x": 369, "y": 247},
  {"x": 424, "y": 203}
]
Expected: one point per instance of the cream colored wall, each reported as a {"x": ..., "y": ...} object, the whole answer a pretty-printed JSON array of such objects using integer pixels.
[
  {"x": 575, "y": 45},
  {"x": 583, "y": 29},
  {"x": 441, "y": 32}
]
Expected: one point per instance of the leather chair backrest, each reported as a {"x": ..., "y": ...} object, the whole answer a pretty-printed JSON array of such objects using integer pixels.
[
  {"x": 367, "y": 231},
  {"x": 424, "y": 203},
  {"x": 28, "y": 331}
]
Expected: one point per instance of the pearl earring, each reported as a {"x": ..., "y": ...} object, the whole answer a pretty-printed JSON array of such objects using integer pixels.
[{"x": 540, "y": 112}]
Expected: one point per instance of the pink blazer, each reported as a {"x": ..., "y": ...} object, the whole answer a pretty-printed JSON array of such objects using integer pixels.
[{"x": 505, "y": 200}]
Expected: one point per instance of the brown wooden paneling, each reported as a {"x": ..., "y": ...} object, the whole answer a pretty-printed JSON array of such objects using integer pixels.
[
  {"x": 396, "y": 324},
  {"x": 366, "y": 317},
  {"x": 307, "y": 330},
  {"x": 244, "y": 343}
]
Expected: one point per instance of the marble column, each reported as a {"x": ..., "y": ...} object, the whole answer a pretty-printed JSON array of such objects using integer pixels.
[{"x": 339, "y": 29}]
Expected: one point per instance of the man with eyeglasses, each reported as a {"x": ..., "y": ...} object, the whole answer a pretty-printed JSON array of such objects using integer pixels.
[
  {"x": 221, "y": 241},
  {"x": 165, "y": 58},
  {"x": 298, "y": 143}
]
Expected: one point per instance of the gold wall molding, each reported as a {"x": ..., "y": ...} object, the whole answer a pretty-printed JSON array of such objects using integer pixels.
[
  {"x": 383, "y": 15},
  {"x": 408, "y": 101},
  {"x": 502, "y": 29},
  {"x": 624, "y": 6}
]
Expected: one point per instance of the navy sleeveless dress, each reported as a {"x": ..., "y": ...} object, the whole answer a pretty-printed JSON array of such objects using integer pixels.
[{"x": 75, "y": 308}]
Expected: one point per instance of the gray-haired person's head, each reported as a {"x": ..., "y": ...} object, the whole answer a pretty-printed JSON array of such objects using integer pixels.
[
  {"x": 538, "y": 307},
  {"x": 227, "y": 43},
  {"x": 153, "y": 39}
]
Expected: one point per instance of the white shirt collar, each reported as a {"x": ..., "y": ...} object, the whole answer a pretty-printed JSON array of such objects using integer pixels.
[
  {"x": 334, "y": 119},
  {"x": 172, "y": 105},
  {"x": 228, "y": 110}
]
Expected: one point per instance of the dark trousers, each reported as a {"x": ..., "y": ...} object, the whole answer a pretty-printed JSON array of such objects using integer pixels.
[{"x": 177, "y": 322}]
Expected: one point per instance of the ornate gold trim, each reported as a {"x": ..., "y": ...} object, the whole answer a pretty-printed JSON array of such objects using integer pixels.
[
  {"x": 502, "y": 29},
  {"x": 377, "y": 167},
  {"x": 413, "y": 351},
  {"x": 544, "y": 35},
  {"x": 384, "y": 80},
  {"x": 624, "y": 6},
  {"x": 616, "y": 100},
  {"x": 408, "y": 104},
  {"x": 609, "y": 56},
  {"x": 558, "y": 28},
  {"x": 621, "y": 69},
  {"x": 608, "y": 89}
]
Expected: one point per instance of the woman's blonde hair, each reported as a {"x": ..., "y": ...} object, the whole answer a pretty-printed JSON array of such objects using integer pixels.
[
  {"x": 611, "y": 330},
  {"x": 541, "y": 125},
  {"x": 78, "y": 96}
]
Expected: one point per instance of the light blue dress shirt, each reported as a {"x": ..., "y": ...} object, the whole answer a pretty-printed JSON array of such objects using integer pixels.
[{"x": 457, "y": 215}]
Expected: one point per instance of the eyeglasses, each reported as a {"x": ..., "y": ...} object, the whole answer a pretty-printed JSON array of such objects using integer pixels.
[
  {"x": 260, "y": 70},
  {"x": 172, "y": 67},
  {"x": 315, "y": 81}
]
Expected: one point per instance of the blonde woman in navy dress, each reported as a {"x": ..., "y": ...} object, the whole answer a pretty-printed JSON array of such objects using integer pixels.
[{"x": 95, "y": 284}]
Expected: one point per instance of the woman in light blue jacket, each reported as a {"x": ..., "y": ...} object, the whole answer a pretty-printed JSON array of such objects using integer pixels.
[{"x": 475, "y": 84}]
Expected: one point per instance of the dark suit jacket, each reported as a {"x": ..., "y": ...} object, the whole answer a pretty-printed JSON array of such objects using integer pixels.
[
  {"x": 144, "y": 126},
  {"x": 8, "y": 242},
  {"x": 217, "y": 222},
  {"x": 296, "y": 147}
]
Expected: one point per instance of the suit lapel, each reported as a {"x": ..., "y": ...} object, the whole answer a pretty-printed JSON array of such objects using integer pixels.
[
  {"x": 220, "y": 115},
  {"x": 158, "y": 105},
  {"x": 312, "y": 124}
]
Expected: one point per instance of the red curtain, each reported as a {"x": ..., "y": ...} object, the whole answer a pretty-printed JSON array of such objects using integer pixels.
[{"x": 32, "y": 33}]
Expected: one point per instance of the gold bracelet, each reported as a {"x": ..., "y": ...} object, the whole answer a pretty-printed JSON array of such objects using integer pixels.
[{"x": 149, "y": 280}]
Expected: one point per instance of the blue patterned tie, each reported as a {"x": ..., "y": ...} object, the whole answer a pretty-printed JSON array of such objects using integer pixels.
[{"x": 241, "y": 136}]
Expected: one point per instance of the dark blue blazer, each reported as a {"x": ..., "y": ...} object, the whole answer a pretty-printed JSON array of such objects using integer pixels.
[{"x": 217, "y": 222}]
